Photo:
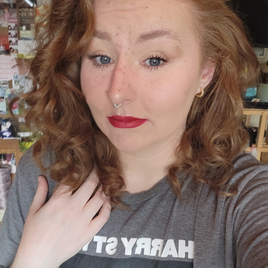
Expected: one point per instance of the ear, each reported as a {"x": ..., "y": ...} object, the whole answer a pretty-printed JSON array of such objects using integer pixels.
[{"x": 207, "y": 73}]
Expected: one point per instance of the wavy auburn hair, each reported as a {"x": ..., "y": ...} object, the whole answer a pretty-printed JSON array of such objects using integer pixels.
[{"x": 213, "y": 136}]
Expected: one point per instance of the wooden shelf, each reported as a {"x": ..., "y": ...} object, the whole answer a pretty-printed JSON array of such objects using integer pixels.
[
  {"x": 9, "y": 115},
  {"x": 261, "y": 145},
  {"x": 11, "y": 146},
  {"x": 5, "y": 116}
]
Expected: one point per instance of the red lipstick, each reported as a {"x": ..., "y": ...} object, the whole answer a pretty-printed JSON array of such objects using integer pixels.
[{"x": 125, "y": 121}]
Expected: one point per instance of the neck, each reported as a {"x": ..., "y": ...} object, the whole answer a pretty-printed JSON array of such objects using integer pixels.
[{"x": 142, "y": 170}]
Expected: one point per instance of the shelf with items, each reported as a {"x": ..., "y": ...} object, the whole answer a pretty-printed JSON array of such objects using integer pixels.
[
  {"x": 262, "y": 139},
  {"x": 12, "y": 149},
  {"x": 11, "y": 146}
]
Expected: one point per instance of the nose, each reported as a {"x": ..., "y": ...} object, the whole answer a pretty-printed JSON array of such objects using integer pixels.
[{"x": 120, "y": 90}]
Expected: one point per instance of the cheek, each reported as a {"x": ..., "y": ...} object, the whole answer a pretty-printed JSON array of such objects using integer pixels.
[
  {"x": 89, "y": 84},
  {"x": 84, "y": 80},
  {"x": 174, "y": 94}
]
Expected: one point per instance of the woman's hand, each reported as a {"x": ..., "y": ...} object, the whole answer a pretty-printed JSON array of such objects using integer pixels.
[{"x": 57, "y": 230}]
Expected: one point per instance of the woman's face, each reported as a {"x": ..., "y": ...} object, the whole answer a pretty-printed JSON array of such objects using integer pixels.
[{"x": 145, "y": 57}]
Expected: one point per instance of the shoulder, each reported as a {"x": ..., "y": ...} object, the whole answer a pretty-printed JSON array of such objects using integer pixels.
[
  {"x": 25, "y": 183},
  {"x": 237, "y": 223},
  {"x": 249, "y": 210},
  {"x": 28, "y": 171},
  {"x": 19, "y": 201},
  {"x": 247, "y": 171},
  {"x": 250, "y": 182},
  {"x": 27, "y": 160},
  {"x": 248, "y": 162}
]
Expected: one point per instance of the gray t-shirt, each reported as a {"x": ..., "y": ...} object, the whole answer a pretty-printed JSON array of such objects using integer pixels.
[{"x": 199, "y": 229}]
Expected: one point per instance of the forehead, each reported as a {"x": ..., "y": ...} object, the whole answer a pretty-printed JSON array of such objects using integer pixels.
[
  {"x": 143, "y": 14},
  {"x": 132, "y": 4}
]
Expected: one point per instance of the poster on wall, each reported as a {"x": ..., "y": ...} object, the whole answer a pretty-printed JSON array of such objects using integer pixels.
[
  {"x": 13, "y": 37},
  {"x": 27, "y": 23},
  {"x": 8, "y": 27}
]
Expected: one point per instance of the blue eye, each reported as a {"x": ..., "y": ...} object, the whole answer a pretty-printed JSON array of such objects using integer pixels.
[
  {"x": 103, "y": 59},
  {"x": 155, "y": 61},
  {"x": 100, "y": 61}
]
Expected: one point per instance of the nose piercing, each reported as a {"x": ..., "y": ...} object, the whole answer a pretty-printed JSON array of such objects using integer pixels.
[{"x": 117, "y": 106}]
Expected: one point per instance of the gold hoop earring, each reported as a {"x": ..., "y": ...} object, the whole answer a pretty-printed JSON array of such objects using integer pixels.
[{"x": 200, "y": 95}]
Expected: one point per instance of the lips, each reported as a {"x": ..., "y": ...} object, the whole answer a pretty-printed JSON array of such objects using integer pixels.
[{"x": 125, "y": 121}]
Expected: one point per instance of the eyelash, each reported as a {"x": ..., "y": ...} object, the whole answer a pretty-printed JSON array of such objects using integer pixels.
[
  {"x": 95, "y": 63},
  {"x": 152, "y": 68}
]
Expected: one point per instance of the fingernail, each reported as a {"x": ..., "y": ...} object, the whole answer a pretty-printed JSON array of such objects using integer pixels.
[{"x": 39, "y": 179}]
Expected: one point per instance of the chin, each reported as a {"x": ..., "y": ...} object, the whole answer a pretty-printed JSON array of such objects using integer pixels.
[
  {"x": 126, "y": 143},
  {"x": 127, "y": 146}
]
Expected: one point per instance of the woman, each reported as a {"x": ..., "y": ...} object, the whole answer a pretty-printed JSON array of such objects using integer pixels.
[{"x": 140, "y": 110}]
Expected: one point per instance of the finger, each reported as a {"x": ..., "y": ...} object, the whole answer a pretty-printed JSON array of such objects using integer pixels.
[
  {"x": 62, "y": 189},
  {"x": 86, "y": 190},
  {"x": 93, "y": 206},
  {"x": 40, "y": 195},
  {"x": 97, "y": 223}
]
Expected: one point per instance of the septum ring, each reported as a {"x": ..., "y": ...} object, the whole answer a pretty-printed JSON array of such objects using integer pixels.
[{"x": 117, "y": 106}]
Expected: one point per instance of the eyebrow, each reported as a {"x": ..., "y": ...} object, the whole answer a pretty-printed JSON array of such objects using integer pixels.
[
  {"x": 143, "y": 37},
  {"x": 157, "y": 34},
  {"x": 102, "y": 35}
]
